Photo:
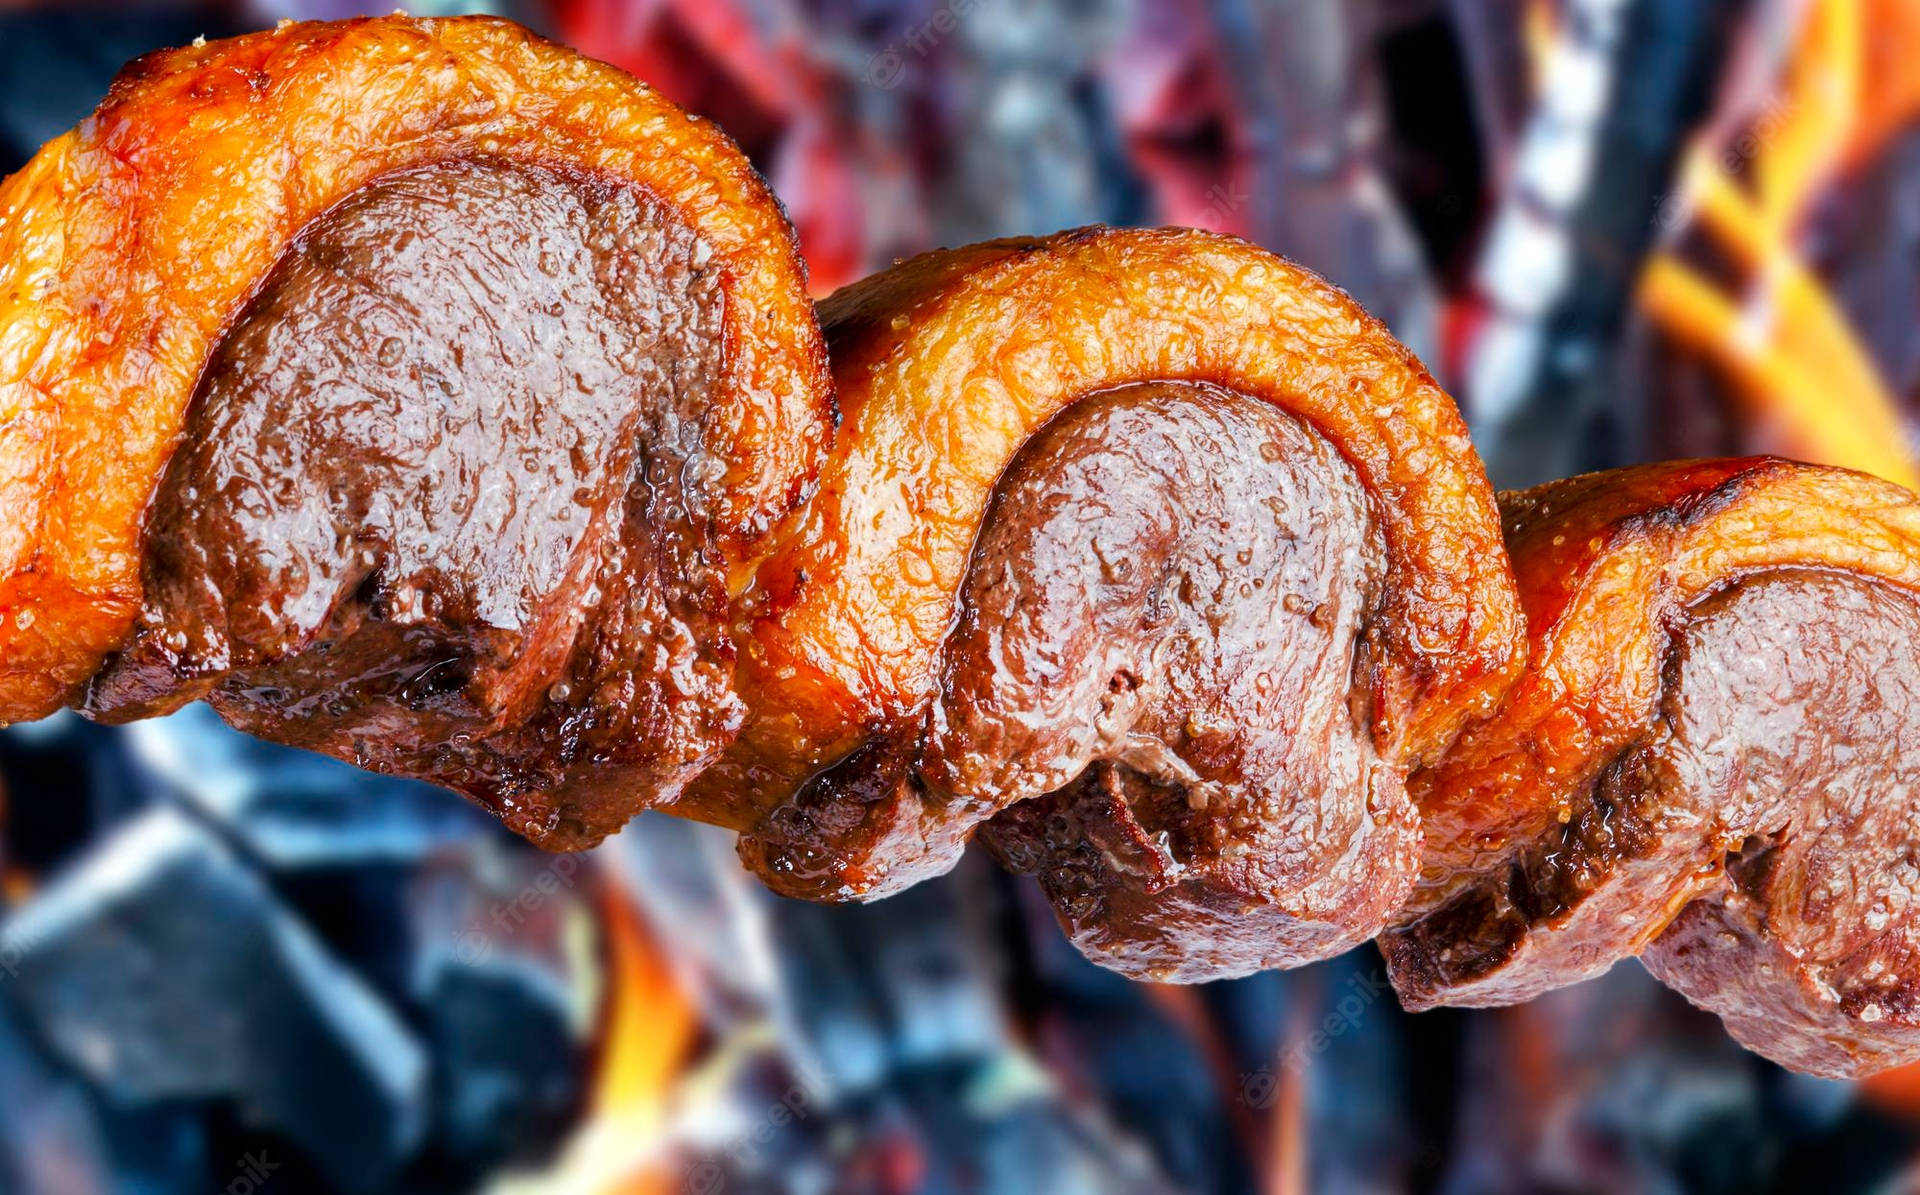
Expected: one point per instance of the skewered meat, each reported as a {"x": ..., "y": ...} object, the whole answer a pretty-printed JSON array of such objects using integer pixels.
[
  {"x": 473, "y": 419},
  {"x": 422, "y": 393},
  {"x": 1153, "y": 554},
  {"x": 1709, "y": 762},
  {"x": 416, "y": 391}
]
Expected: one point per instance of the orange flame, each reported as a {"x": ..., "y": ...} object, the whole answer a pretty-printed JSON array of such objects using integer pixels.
[
  {"x": 1539, "y": 30},
  {"x": 1890, "y": 83},
  {"x": 1796, "y": 365},
  {"x": 649, "y": 1025},
  {"x": 647, "y": 1032}
]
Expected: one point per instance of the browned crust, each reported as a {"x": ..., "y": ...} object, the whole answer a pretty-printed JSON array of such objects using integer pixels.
[
  {"x": 127, "y": 245},
  {"x": 947, "y": 363},
  {"x": 1608, "y": 564}
]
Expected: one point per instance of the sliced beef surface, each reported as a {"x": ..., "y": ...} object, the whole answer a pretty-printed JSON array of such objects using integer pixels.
[
  {"x": 1760, "y": 844},
  {"x": 1155, "y": 697},
  {"x": 1166, "y": 631},
  {"x": 1803, "y": 693},
  {"x": 443, "y": 506}
]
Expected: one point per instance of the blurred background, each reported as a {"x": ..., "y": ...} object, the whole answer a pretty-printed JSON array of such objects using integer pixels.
[{"x": 1616, "y": 229}]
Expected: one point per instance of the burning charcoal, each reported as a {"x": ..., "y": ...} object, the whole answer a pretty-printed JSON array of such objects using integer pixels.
[
  {"x": 989, "y": 1127},
  {"x": 163, "y": 969},
  {"x": 1491, "y": 37},
  {"x": 1109, "y": 1040},
  {"x": 756, "y": 1126},
  {"x": 1680, "y": 1117},
  {"x": 1356, "y": 1134},
  {"x": 58, "y": 1136},
  {"x": 862, "y": 990},
  {"x": 87, "y": 765},
  {"x": 518, "y": 907},
  {"x": 345, "y": 848},
  {"x": 495, "y": 982},
  {"x": 1311, "y": 98},
  {"x": 879, "y": 993},
  {"x": 1863, "y": 1153},
  {"x": 455, "y": 921},
  {"x": 1620, "y": 1085},
  {"x": 1032, "y": 157},
  {"x": 1433, "y": 63},
  {"x": 1625, "y": 85},
  {"x": 705, "y": 911},
  {"x": 508, "y": 1067},
  {"x": 895, "y": 1070}
]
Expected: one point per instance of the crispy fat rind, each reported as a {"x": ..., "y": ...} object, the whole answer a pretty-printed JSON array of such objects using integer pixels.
[
  {"x": 130, "y": 243},
  {"x": 946, "y": 364},
  {"x": 1608, "y": 565}
]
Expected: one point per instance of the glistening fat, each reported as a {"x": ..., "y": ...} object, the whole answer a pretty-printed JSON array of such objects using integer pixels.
[
  {"x": 428, "y": 395},
  {"x": 469, "y": 428},
  {"x": 1709, "y": 762},
  {"x": 1151, "y": 557},
  {"x": 419, "y": 392}
]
